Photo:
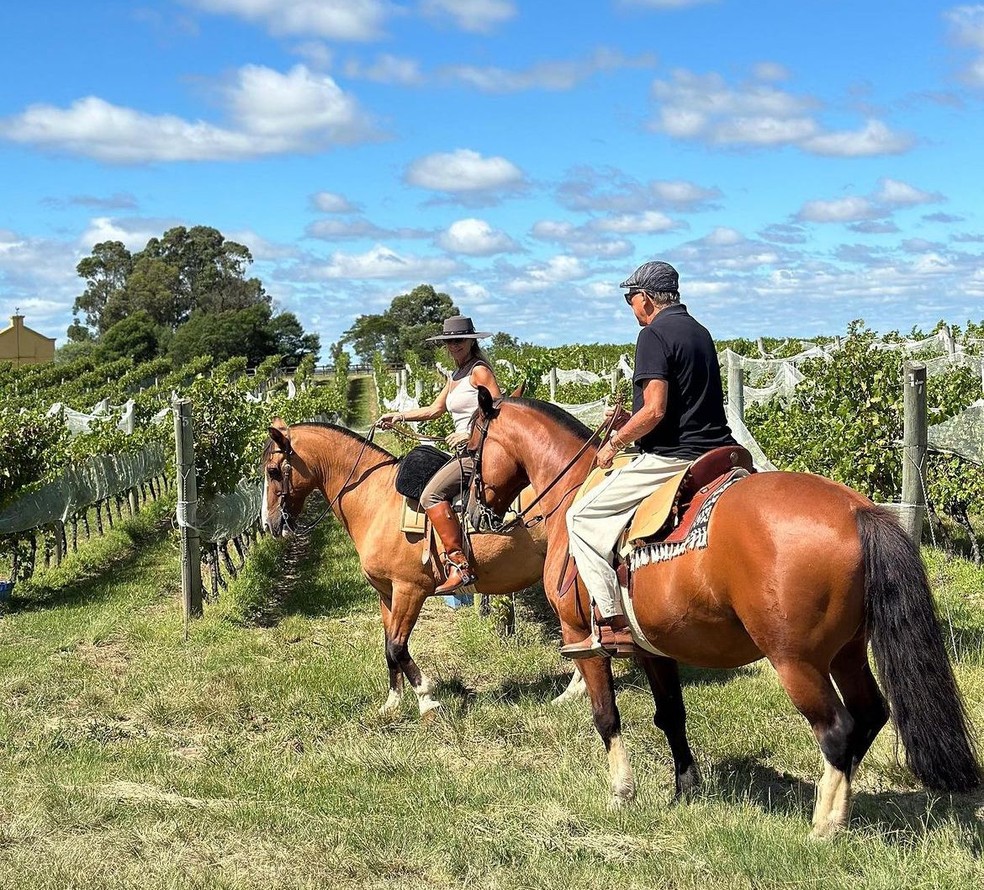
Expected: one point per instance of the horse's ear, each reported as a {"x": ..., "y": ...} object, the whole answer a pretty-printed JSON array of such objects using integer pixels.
[
  {"x": 486, "y": 404},
  {"x": 280, "y": 433},
  {"x": 517, "y": 393}
]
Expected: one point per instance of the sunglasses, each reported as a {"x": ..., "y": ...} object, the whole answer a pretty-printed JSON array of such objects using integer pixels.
[
  {"x": 454, "y": 341},
  {"x": 631, "y": 294}
]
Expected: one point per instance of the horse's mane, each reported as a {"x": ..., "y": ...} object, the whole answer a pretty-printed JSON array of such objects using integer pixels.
[
  {"x": 568, "y": 421},
  {"x": 345, "y": 431}
]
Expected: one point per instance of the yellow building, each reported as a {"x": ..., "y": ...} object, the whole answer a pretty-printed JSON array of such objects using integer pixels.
[{"x": 22, "y": 346}]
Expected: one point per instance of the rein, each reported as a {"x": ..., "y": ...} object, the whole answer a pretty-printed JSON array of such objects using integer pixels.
[
  {"x": 601, "y": 433},
  {"x": 285, "y": 489}
]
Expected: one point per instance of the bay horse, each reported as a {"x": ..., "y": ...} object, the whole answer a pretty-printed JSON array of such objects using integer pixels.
[
  {"x": 797, "y": 569},
  {"x": 357, "y": 480}
]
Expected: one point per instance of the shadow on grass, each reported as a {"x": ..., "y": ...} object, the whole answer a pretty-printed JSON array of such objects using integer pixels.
[{"x": 903, "y": 817}]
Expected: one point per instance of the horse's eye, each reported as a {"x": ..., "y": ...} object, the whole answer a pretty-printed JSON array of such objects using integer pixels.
[{"x": 274, "y": 473}]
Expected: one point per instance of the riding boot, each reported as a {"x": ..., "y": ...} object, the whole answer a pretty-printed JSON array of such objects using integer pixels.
[
  {"x": 612, "y": 638},
  {"x": 456, "y": 563}
]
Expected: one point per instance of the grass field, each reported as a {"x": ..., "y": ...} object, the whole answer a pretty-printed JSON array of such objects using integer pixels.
[{"x": 254, "y": 756}]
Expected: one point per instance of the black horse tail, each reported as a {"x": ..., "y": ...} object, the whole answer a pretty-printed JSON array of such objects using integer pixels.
[{"x": 912, "y": 661}]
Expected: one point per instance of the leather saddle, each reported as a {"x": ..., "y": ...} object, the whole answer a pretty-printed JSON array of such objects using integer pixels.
[{"x": 667, "y": 515}]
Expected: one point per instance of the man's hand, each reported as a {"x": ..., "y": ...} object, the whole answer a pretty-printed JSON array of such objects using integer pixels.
[
  {"x": 619, "y": 413},
  {"x": 606, "y": 454}
]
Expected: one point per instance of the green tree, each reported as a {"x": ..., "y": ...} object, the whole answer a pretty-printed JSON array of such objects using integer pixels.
[
  {"x": 184, "y": 271},
  {"x": 224, "y": 335},
  {"x": 290, "y": 341},
  {"x": 105, "y": 272},
  {"x": 137, "y": 336},
  {"x": 404, "y": 327},
  {"x": 151, "y": 287}
]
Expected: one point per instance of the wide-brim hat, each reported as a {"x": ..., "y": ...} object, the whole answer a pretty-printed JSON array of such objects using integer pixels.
[{"x": 457, "y": 327}]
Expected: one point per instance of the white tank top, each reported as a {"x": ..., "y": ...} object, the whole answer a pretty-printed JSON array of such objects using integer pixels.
[{"x": 462, "y": 400}]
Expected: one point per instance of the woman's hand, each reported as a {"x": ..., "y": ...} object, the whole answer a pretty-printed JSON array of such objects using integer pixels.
[
  {"x": 457, "y": 440},
  {"x": 386, "y": 421}
]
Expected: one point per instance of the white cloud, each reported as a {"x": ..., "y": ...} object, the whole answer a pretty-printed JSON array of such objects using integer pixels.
[
  {"x": 475, "y": 237},
  {"x": 895, "y": 192},
  {"x": 357, "y": 20},
  {"x": 387, "y": 69},
  {"x": 296, "y": 107},
  {"x": 872, "y": 140},
  {"x": 581, "y": 241},
  {"x": 383, "y": 262},
  {"x": 358, "y": 228},
  {"x": 332, "y": 202},
  {"x": 463, "y": 171},
  {"x": 479, "y": 16},
  {"x": 276, "y": 113},
  {"x": 38, "y": 279},
  {"x": 555, "y": 76},
  {"x": 261, "y": 249},
  {"x": 758, "y": 114},
  {"x": 722, "y": 236},
  {"x": 636, "y": 223},
  {"x": 680, "y": 193},
  {"x": 770, "y": 71},
  {"x": 133, "y": 232},
  {"x": 839, "y": 210},
  {"x": 540, "y": 277},
  {"x": 967, "y": 28}
]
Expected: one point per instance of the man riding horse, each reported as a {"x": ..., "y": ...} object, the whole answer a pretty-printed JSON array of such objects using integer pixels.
[{"x": 677, "y": 415}]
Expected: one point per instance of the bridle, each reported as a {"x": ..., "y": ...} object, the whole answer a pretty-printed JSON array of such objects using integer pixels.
[
  {"x": 482, "y": 423},
  {"x": 286, "y": 487}
]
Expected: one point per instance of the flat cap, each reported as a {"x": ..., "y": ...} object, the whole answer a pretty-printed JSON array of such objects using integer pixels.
[{"x": 655, "y": 276}]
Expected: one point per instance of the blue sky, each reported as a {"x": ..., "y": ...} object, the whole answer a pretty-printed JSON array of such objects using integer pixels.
[{"x": 801, "y": 163}]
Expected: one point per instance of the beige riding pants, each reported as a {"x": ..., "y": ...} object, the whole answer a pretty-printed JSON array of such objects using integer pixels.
[{"x": 597, "y": 520}]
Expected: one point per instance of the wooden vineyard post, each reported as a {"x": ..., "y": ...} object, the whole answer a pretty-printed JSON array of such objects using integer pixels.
[
  {"x": 914, "y": 441},
  {"x": 191, "y": 550},
  {"x": 133, "y": 495}
]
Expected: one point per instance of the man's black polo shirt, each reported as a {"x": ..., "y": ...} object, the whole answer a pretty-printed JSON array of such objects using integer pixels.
[{"x": 676, "y": 348}]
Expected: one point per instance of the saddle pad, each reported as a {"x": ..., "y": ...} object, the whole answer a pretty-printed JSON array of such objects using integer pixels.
[
  {"x": 417, "y": 468},
  {"x": 413, "y": 520}
]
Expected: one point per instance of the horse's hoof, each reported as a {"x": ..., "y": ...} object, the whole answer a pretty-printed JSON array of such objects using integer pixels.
[
  {"x": 620, "y": 802},
  {"x": 825, "y": 832},
  {"x": 391, "y": 705},
  {"x": 688, "y": 784},
  {"x": 430, "y": 710}
]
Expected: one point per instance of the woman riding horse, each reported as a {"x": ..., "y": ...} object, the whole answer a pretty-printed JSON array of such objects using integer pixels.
[{"x": 459, "y": 397}]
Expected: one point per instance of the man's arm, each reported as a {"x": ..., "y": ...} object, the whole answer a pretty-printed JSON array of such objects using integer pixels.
[{"x": 651, "y": 412}]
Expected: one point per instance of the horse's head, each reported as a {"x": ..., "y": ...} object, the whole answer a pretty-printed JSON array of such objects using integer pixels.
[
  {"x": 502, "y": 476},
  {"x": 287, "y": 481}
]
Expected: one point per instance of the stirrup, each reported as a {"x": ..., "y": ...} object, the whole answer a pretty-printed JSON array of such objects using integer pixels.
[{"x": 454, "y": 567}]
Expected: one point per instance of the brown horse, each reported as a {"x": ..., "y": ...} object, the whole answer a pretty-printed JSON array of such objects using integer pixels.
[
  {"x": 357, "y": 479},
  {"x": 797, "y": 569}
]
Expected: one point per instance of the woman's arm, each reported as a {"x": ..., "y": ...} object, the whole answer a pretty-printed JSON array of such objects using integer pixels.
[{"x": 428, "y": 412}]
